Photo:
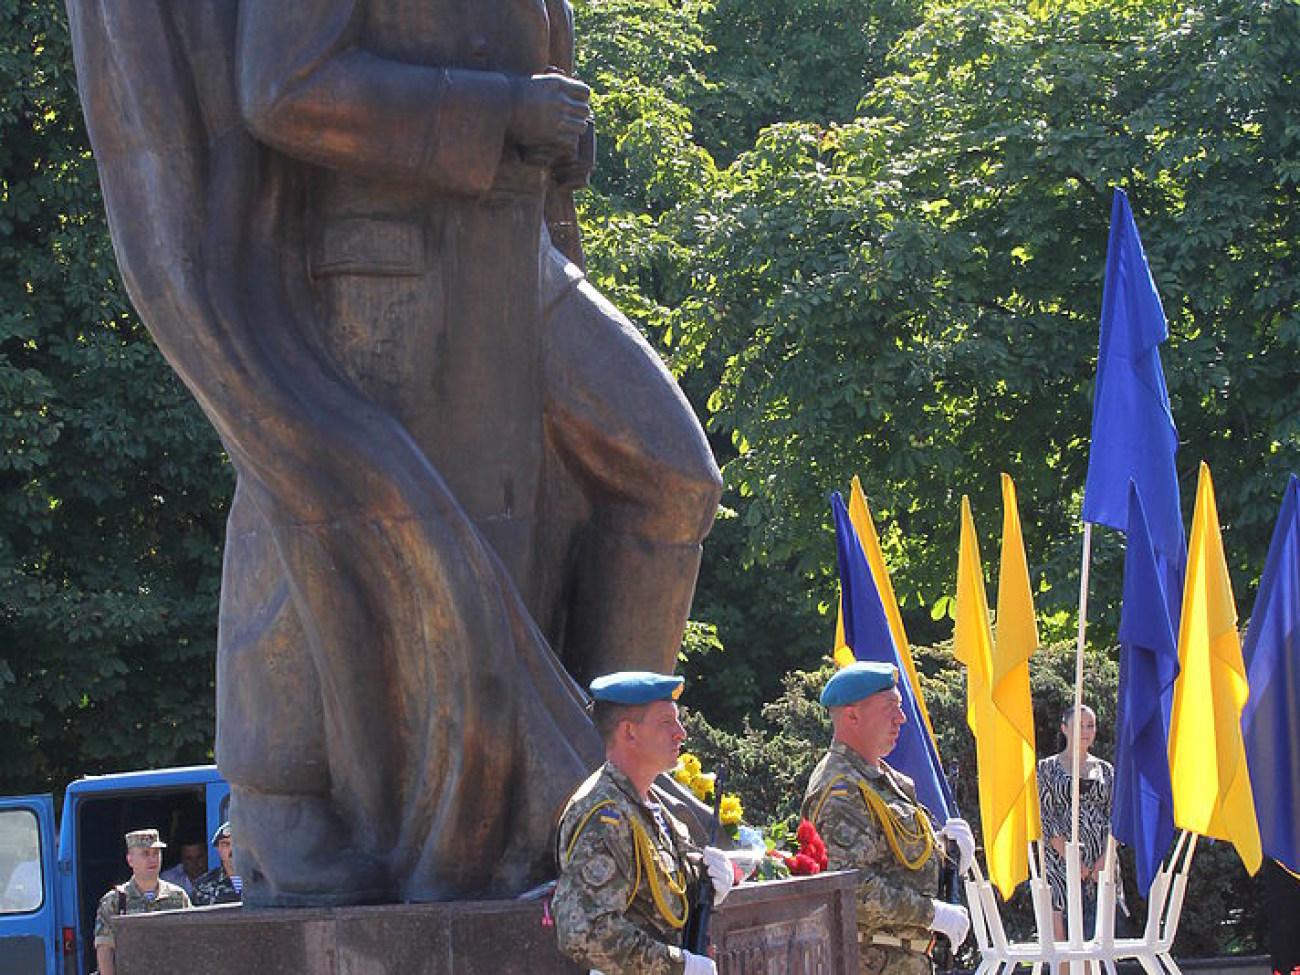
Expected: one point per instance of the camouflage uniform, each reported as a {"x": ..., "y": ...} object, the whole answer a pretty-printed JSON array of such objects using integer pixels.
[
  {"x": 215, "y": 887},
  {"x": 595, "y": 923},
  {"x": 893, "y": 901},
  {"x": 127, "y": 898}
]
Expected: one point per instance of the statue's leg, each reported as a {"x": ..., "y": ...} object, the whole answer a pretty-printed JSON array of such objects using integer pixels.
[
  {"x": 290, "y": 845},
  {"x": 628, "y": 435}
]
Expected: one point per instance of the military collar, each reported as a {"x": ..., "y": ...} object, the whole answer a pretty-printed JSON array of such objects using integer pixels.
[
  {"x": 859, "y": 763},
  {"x": 625, "y": 785},
  {"x": 133, "y": 888}
]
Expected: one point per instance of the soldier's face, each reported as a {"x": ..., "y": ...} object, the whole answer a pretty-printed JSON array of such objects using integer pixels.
[
  {"x": 226, "y": 850},
  {"x": 145, "y": 863},
  {"x": 879, "y": 720},
  {"x": 658, "y": 736}
]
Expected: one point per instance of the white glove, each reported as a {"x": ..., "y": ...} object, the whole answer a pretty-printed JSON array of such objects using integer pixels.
[
  {"x": 721, "y": 872},
  {"x": 958, "y": 830},
  {"x": 950, "y": 920},
  {"x": 698, "y": 965}
]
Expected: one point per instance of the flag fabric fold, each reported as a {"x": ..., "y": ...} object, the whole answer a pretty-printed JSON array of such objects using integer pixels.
[
  {"x": 867, "y": 634},
  {"x": 865, "y": 527},
  {"x": 1207, "y": 756},
  {"x": 1270, "y": 722},
  {"x": 1011, "y": 774},
  {"x": 972, "y": 645},
  {"x": 1133, "y": 433},
  {"x": 1142, "y": 811}
]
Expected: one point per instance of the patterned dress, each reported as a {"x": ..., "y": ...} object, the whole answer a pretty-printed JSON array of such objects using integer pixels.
[{"x": 1094, "y": 819}]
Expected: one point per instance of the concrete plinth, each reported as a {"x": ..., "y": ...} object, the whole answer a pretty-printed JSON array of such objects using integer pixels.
[
  {"x": 803, "y": 926},
  {"x": 463, "y": 938},
  {"x": 790, "y": 927}
]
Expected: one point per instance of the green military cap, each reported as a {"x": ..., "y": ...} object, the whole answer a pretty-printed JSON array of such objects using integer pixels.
[
  {"x": 858, "y": 680},
  {"x": 636, "y": 687},
  {"x": 146, "y": 838},
  {"x": 223, "y": 832}
]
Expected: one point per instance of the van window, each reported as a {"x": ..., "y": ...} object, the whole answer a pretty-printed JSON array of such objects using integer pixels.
[{"x": 22, "y": 886}]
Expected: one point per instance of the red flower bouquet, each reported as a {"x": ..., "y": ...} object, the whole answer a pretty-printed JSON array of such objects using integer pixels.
[{"x": 811, "y": 858}]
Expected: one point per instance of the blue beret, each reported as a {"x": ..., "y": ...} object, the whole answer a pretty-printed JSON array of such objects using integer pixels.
[
  {"x": 223, "y": 832},
  {"x": 636, "y": 687},
  {"x": 856, "y": 681}
]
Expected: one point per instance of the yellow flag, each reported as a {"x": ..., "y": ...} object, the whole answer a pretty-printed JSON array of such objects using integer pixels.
[
  {"x": 1011, "y": 813},
  {"x": 864, "y": 527},
  {"x": 1207, "y": 759},
  {"x": 972, "y": 639},
  {"x": 972, "y": 644}
]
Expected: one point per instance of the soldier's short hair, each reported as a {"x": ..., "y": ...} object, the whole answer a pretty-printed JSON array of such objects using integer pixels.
[{"x": 607, "y": 716}]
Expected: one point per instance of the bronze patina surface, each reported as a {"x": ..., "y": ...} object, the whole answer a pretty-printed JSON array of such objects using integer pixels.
[{"x": 464, "y": 479}]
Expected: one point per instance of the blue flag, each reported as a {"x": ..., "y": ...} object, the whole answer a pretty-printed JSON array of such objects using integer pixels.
[
  {"x": 866, "y": 632},
  {"x": 1133, "y": 434},
  {"x": 1270, "y": 722},
  {"x": 1142, "y": 814}
]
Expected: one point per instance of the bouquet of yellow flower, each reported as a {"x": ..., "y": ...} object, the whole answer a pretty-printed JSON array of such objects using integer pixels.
[{"x": 690, "y": 773}]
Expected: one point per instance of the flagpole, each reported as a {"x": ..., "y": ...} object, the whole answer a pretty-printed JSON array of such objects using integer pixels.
[{"x": 1073, "y": 865}]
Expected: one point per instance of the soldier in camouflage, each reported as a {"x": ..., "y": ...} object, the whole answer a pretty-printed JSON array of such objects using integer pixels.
[
  {"x": 221, "y": 885},
  {"x": 870, "y": 819},
  {"x": 144, "y": 893},
  {"x": 627, "y": 865}
]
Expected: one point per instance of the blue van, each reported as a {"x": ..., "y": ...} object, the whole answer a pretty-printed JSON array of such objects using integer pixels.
[{"x": 49, "y": 892}]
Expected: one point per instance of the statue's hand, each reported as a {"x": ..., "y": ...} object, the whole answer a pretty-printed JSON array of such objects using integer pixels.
[
  {"x": 548, "y": 114},
  {"x": 571, "y": 172}
]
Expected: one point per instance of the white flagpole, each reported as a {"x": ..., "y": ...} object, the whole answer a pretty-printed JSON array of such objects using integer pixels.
[{"x": 1073, "y": 864}]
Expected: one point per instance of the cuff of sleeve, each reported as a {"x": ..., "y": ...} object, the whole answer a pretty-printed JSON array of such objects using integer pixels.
[{"x": 466, "y": 137}]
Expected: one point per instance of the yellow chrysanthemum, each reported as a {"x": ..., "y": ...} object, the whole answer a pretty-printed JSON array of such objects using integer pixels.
[
  {"x": 688, "y": 767},
  {"x": 730, "y": 813},
  {"x": 702, "y": 785}
]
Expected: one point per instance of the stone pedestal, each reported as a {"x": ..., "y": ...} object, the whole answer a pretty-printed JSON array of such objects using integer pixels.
[
  {"x": 803, "y": 926},
  {"x": 789, "y": 927},
  {"x": 462, "y": 938}
]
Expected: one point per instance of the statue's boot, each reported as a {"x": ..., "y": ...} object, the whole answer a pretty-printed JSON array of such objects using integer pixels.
[
  {"x": 293, "y": 851},
  {"x": 631, "y": 603}
]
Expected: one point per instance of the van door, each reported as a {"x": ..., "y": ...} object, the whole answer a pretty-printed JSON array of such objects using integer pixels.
[{"x": 28, "y": 916}]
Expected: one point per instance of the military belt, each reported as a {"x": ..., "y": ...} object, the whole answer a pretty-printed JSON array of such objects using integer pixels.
[{"x": 920, "y": 945}]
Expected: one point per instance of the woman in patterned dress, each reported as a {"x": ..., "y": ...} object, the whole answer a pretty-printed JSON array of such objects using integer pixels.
[{"x": 1096, "y": 785}]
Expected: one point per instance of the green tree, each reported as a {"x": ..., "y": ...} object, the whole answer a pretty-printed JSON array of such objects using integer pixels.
[
  {"x": 791, "y": 60},
  {"x": 112, "y": 485},
  {"x": 913, "y": 296}
]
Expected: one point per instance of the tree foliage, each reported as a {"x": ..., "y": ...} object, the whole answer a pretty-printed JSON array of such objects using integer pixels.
[
  {"x": 112, "y": 487},
  {"x": 913, "y": 295}
]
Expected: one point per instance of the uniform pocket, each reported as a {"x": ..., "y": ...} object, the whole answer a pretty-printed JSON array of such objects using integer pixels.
[{"x": 370, "y": 246}]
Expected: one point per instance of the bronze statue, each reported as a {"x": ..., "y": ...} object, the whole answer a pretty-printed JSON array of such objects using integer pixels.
[{"x": 460, "y": 470}]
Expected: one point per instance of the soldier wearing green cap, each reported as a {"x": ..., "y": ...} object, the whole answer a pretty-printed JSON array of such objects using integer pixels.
[
  {"x": 871, "y": 820},
  {"x": 144, "y": 893},
  {"x": 627, "y": 864}
]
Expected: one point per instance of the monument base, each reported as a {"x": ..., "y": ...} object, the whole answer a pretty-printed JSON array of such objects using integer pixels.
[
  {"x": 458, "y": 938},
  {"x": 791, "y": 927}
]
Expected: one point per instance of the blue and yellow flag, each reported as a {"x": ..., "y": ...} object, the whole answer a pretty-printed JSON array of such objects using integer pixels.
[
  {"x": 865, "y": 527},
  {"x": 867, "y": 634},
  {"x": 1270, "y": 722}
]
